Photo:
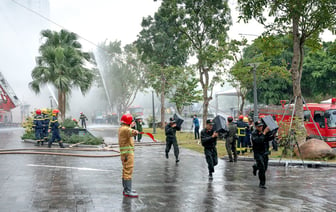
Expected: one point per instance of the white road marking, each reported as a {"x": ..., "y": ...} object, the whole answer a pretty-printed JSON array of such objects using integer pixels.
[{"x": 69, "y": 167}]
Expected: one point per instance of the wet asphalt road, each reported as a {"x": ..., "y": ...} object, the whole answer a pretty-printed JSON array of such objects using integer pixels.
[{"x": 59, "y": 183}]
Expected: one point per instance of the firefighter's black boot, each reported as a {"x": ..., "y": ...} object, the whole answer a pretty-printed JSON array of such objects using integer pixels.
[
  {"x": 262, "y": 186},
  {"x": 255, "y": 169},
  {"x": 61, "y": 144},
  {"x": 128, "y": 192},
  {"x": 123, "y": 184}
]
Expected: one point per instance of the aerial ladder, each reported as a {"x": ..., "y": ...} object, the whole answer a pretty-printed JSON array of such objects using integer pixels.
[{"x": 8, "y": 100}]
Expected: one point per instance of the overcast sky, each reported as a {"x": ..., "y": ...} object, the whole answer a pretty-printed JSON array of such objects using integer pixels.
[
  {"x": 120, "y": 19},
  {"x": 102, "y": 19}
]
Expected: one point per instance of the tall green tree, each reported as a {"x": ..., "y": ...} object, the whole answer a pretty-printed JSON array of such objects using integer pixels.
[
  {"x": 205, "y": 24},
  {"x": 273, "y": 78},
  {"x": 123, "y": 73},
  {"x": 305, "y": 20},
  {"x": 319, "y": 81},
  {"x": 184, "y": 90},
  {"x": 64, "y": 64},
  {"x": 164, "y": 50}
]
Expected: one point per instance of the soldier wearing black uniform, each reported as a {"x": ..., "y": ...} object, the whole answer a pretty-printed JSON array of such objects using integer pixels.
[
  {"x": 170, "y": 132},
  {"x": 209, "y": 142},
  {"x": 260, "y": 145},
  {"x": 231, "y": 137},
  {"x": 83, "y": 119}
]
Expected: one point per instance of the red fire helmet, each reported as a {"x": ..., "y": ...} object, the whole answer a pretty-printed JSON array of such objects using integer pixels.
[
  {"x": 38, "y": 112},
  {"x": 126, "y": 119},
  {"x": 55, "y": 111}
]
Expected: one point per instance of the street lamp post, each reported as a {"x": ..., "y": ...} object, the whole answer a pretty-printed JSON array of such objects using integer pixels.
[
  {"x": 255, "y": 95},
  {"x": 255, "y": 99},
  {"x": 154, "y": 127}
]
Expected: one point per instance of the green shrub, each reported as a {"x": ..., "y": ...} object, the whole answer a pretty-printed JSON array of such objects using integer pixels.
[
  {"x": 73, "y": 139},
  {"x": 28, "y": 135},
  {"x": 84, "y": 139},
  {"x": 70, "y": 123}
]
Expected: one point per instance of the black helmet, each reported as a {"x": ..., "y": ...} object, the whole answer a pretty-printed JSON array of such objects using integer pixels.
[{"x": 258, "y": 123}]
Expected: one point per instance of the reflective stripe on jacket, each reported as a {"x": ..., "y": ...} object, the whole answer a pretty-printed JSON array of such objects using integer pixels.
[{"x": 126, "y": 142}]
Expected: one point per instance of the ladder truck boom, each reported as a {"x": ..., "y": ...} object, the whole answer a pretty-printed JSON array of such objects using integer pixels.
[{"x": 8, "y": 99}]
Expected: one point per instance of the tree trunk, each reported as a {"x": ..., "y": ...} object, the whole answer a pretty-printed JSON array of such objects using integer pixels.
[
  {"x": 163, "y": 87},
  {"x": 64, "y": 106},
  {"x": 205, "y": 105},
  {"x": 296, "y": 78},
  {"x": 204, "y": 80},
  {"x": 242, "y": 105},
  {"x": 179, "y": 109},
  {"x": 61, "y": 103}
]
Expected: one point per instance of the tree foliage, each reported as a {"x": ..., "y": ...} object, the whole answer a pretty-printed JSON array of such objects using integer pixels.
[
  {"x": 184, "y": 90},
  {"x": 273, "y": 77},
  {"x": 163, "y": 49},
  {"x": 304, "y": 20},
  {"x": 123, "y": 73},
  {"x": 319, "y": 66},
  {"x": 204, "y": 25},
  {"x": 63, "y": 64}
]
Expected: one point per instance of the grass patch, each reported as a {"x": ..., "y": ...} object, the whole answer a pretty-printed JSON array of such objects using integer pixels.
[{"x": 186, "y": 140}]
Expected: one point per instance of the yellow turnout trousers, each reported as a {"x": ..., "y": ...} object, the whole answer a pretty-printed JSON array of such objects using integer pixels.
[{"x": 127, "y": 161}]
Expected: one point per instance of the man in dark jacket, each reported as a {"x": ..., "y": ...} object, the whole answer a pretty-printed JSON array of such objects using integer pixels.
[
  {"x": 54, "y": 128},
  {"x": 170, "y": 132},
  {"x": 138, "y": 126},
  {"x": 83, "y": 119},
  {"x": 209, "y": 142},
  {"x": 38, "y": 126},
  {"x": 196, "y": 127},
  {"x": 231, "y": 136},
  {"x": 260, "y": 145}
]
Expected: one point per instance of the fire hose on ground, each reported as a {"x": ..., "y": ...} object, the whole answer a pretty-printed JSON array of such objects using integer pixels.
[
  {"x": 49, "y": 151},
  {"x": 46, "y": 151}
]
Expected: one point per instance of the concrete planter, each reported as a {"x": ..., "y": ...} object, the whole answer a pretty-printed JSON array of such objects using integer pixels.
[{"x": 76, "y": 131}]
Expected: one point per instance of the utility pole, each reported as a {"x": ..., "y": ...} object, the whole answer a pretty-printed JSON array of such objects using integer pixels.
[
  {"x": 255, "y": 95},
  {"x": 154, "y": 127}
]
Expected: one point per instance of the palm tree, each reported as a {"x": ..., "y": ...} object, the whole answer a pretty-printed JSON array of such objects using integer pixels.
[{"x": 62, "y": 63}]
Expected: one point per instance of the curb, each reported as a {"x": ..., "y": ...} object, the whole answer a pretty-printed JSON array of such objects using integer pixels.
[
  {"x": 286, "y": 162},
  {"x": 53, "y": 144}
]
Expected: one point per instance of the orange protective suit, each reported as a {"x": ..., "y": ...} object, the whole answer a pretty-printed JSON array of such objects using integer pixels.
[{"x": 126, "y": 145}]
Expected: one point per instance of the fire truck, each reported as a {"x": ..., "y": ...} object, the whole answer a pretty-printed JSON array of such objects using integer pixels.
[
  {"x": 136, "y": 110},
  {"x": 8, "y": 101},
  {"x": 319, "y": 119}
]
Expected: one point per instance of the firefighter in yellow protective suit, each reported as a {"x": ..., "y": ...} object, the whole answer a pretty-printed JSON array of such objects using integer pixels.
[{"x": 126, "y": 144}]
